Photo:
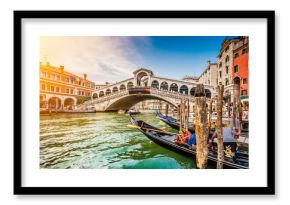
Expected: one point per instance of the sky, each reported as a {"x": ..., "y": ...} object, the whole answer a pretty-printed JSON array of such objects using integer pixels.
[{"x": 114, "y": 58}]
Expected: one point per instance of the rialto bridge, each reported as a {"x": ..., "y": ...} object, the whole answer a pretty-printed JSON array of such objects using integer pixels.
[{"x": 143, "y": 86}]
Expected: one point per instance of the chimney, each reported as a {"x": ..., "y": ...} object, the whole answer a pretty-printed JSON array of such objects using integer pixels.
[
  {"x": 85, "y": 76},
  {"x": 61, "y": 68},
  {"x": 208, "y": 63}
]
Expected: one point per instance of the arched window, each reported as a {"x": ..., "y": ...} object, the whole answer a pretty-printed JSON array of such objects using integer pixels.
[
  {"x": 183, "y": 89},
  {"x": 115, "y": 89},
  {"x": 54, "y": 103},
  {"x": 207, "y": 93},
  {"x": 192, "y": 91},
  {"x": 142, "y": 79},
  {"x": 237, "y": 80},
  {"x": 227, "y": 82},
  {"x": 101, "y": 94},
  {"x": 95, "y": 95},
  {"x": 155, "y": 84},
  {"x": 130, "y": 85},
  {"x": 68, "y": 103},
  {"x": 164, "y": 86},
  {"x": 122, "y": 87},
  {"x": 108, "y": 92},
  {"x": 227, "y": 59},
  {"x": 174, "y": 87}
]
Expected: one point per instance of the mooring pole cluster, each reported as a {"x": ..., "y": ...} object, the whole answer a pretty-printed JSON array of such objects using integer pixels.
[
  {"x": 201, "y": 128},
  {"x": 219, "y": 126}
]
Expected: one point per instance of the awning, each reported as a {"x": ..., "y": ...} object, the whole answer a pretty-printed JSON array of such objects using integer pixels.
[
  {"x": 85, "y": 98},
  {"x": 244, "y": 97}
]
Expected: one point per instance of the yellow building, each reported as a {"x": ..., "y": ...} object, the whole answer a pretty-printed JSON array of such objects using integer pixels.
[{"x": 60, "y": 89}]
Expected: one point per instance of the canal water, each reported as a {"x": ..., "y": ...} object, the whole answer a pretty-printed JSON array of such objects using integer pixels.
[{"x": 103, "y": 141}]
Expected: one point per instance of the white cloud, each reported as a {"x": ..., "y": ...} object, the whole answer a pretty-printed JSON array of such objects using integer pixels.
[{"x": 102, "y": 58}]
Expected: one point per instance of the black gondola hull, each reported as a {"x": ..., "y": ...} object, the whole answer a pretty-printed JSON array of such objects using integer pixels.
[
  {"x": 173, "y": 125},
  {"x": 184, "y": 150},
  {"x": 190, "y": 153}
]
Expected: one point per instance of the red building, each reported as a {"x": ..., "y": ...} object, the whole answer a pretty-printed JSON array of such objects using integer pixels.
[{"x": 240, "y": 69}]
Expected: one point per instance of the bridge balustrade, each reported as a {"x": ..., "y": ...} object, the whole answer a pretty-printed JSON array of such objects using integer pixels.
[{"x": 164, "y": 93}]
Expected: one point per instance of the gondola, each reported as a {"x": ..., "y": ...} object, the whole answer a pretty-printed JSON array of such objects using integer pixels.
[
  {"x": 172, "y": 122},
  {"x": 167, "y": 140},
  {"x": 133, "y": 112}
]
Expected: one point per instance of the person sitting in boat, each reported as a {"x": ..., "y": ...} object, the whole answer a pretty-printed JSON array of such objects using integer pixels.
[
  {"x": 183, "y": 136},
  {"x": 192, "y": 141}
]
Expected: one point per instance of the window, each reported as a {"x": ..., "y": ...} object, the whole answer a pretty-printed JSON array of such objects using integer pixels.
[
  {"x": 220, "y": 74},
  {"x": 52, "y": 88},
  {"x": 244, "y": 51},
  {"x": 220, "y": 65},
  {"x": 72, "y": 91},
  {"x": 227, "y": 82},
  {"x": 43, "y": 74},
  {"x": 227, "y": 59},
  {"x": 245, "y": 80},
  {"x": 67, "y": 91},
  {"x": 53, "y": 76},
  {"x": 57, "y": 89},
  {"x": 43, "y": 87},
  {"x": 57, "y": 77},
  {"x": 236, "y": 55},
  {"x": 227, "y": 69},
  {"x": 236, "y": 68},
  {"x": 227, "y": 48},
  {"x": 244, "y": 92},
  {"x": 67, "y": 80}
]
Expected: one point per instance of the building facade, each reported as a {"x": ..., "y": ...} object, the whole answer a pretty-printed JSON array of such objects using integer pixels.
[
  {"x": 209, "y": 75},
  {"x": 60, "y": 89},
  {"x": 233, "y": 65},
  {"x": 240, "y": 70}
]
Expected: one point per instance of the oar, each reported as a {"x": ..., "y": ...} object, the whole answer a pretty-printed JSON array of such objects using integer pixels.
[{"x": 138, "y": 127}]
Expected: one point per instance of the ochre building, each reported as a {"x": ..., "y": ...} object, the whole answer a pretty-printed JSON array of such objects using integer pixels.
[{"x": 60, "y": 89}]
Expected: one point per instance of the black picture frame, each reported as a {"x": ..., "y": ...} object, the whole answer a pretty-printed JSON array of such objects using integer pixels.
[{"x": 19, "y": 189}]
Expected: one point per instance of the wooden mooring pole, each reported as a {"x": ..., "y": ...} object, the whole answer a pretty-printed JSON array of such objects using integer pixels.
[
  {"x": 219, "y": 127},
  {"x": 240, "y": 115},
  {"x": 201, "y": 127},
  {"x": 209, "y": 114},
  {"x": 229, "y": 107},
  {"x": 180, "y": 116},
  {"x": 185, "y": 116},
  {"x": 234, "y": 112}
]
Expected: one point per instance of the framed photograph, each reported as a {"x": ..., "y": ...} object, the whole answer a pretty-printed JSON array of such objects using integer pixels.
[{"x": 144, "y": 102}]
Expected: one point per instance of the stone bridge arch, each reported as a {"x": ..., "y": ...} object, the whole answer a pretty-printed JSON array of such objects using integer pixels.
[{"x": 126, "y": 102}]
